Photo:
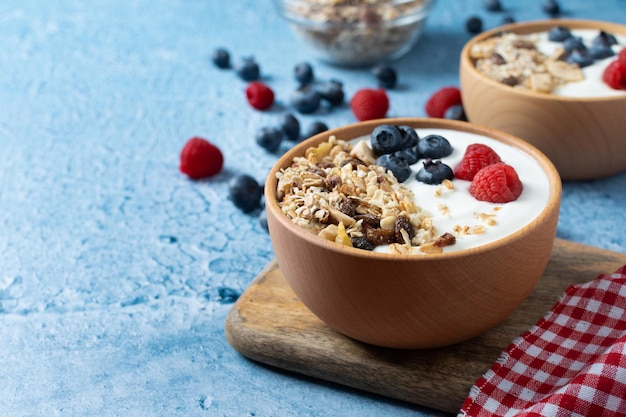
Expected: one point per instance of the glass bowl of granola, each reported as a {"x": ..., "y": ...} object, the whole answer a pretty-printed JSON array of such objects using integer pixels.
[
  {"x": 395, "y": 261},
  {"x": 557, "y": 84},
  {"x": 357, "y": 32}
]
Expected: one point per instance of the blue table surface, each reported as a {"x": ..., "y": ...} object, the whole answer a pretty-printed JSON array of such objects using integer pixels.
[{"x": 112, "y": 262}]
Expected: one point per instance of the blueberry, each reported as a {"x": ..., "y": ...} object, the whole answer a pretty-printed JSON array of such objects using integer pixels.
[
  {"x": 434, "y": 172},
  {"x": 386, "y": 139},
  {"x": 227, "y": 295},
  {"x": 409, "y": 136},
  {"x": 263, "y": 219},
  {"x": 245, "y": 192},
  {"x": 221, "y": 58},
  {"x": 269, "y": 138},
  {"x": 305, "y": 100},
  {"x": 434, "y": 147},
  {"x": 386, "y": 76},
  {"x": 456, "y": 112},
  {"x": 247, "y": 69},
  {"x": 601, "y": 52},
  {"x": 604, "y": 39},
  {"x": 492, "y": 5},
  {"x": 582, "y": 57},
  {"x": 332, "y": 92},
  {"x": 573, "y": 43},
  {"x": 508, "y": 19},
  {"x": 304, "y": 73},
  {"x": 551, "y": 7},
  {"x": 399, "y": 167},
  {"x": 315, "y": 128},
  {"x": 361, "y": 242},
  {"x": 290, "y": 127},
  {"x": 410, "y": 155},
  {"x": 559, "y": 33},
  {"x": 474, "y": 24}
]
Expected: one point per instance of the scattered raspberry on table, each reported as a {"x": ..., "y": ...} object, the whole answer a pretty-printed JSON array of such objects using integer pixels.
[
  {"x": 369, "y": 104},
  {"x": 259, "y": 95},
  {"x": 200, "y": 158},
  {"x": 442, "y": 100}
]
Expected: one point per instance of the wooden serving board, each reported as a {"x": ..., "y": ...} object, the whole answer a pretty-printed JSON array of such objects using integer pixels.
[{"x": 269, "y": 324}]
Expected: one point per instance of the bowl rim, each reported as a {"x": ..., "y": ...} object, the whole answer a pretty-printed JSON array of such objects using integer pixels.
[
  {"x": 421, "y": 12},
  {"x": 531, "y": 26},
  {"x": 553, "y": 203}
]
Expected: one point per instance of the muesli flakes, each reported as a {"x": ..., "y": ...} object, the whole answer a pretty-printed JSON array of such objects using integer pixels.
[
  {"x": 515, "y": 60},
  {"x": 338, "y": 196},
  {"x": 357, "y": 31}
]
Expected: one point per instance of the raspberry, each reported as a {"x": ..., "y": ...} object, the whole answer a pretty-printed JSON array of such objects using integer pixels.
[
  {"x": 476, "y": 157},
  {"x": 442, "y": 100},
  {"x": 496, "y": 183},
  {"x": 200, "y": 158},
  {"x": 368, "y": 104},
  {"x": 615, "y": 74},
  {"x": 622, "y": 55},
  {"x": 260, "y": 96}
]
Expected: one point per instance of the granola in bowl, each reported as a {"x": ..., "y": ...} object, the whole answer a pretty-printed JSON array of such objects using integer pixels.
[
  {"x": 357, "y": 32},
  {"x": 536, "y": 62},
  {"x": 334, "y": 192}
]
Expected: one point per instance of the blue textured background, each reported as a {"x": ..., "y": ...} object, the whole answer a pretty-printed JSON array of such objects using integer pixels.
[{"x": 111, "y": 261}]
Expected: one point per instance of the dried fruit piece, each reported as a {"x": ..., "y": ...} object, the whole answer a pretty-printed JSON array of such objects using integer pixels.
[
  {"x": 369, "y": 104},
  {"x": 442, "y": 100},
  {"x": 496, "y": 183},
  {"x": 342, "y": 237},
  {"x": 476, "y": 157},
  {"x": 200, "y": 158}
]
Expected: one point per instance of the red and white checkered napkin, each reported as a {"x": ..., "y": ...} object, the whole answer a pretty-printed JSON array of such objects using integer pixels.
[{"x": 571, "y": 363}]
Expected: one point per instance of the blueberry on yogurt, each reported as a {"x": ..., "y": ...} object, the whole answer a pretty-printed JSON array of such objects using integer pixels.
[
  {"x": 434, "y": 147},
  {"x": 386, "y": 139},
  {"x": 409, "y": 136},
  {"x": 410, "y": 155},
  {"x": 601, "y": 51},
  {"x": 604, "y": 39},
  {"x": 573, "y": 43},
  {"x": 582, "y": 57},
  {"x": 398, "y": 166},
  {"x": 559, "y": 33},
  {"x": 434, "y": 172}
]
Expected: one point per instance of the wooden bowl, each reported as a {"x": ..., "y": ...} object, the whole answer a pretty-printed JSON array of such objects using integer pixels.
[
  {"x": 584, "y": 137},
  {"x": 412, "y": 301}
]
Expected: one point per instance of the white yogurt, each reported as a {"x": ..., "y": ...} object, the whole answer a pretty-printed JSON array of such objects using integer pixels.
[
  {"x": 462, "y": 207},
  {"x": 592, "y": 85}
]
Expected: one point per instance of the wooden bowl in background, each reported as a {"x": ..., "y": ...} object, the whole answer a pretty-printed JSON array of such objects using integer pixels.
[{"x": 584, "y": 137}]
